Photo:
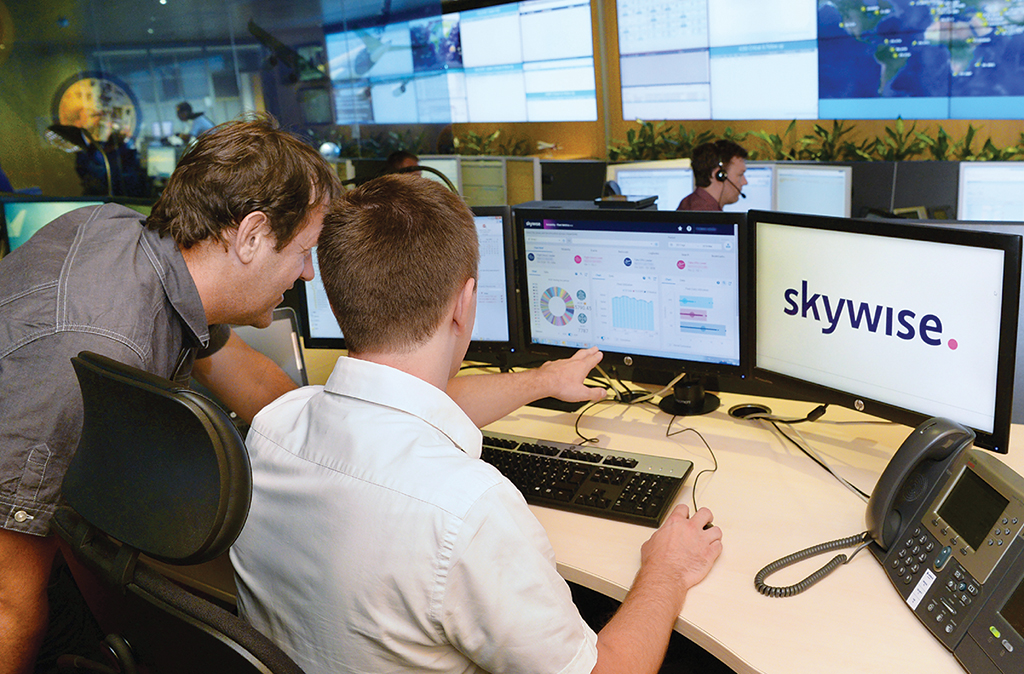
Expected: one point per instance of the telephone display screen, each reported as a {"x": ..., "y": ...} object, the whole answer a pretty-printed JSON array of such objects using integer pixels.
[
  {"x": 1013, "y": 611},
  {"x": 972, "y": 508}
]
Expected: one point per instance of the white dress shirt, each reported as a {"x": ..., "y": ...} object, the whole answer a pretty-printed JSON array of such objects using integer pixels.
[{"x": 378, "y": 541}]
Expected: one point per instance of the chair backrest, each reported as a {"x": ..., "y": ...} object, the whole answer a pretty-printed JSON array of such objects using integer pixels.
[{"x": 160, "y": 470}]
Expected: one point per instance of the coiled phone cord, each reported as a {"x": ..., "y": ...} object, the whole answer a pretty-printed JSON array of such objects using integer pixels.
[{"x": 790, "y": 590}]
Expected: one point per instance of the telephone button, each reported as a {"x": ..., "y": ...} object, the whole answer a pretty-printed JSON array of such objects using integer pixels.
[
  {"x": 973, "y": 589},
  {"x": 964, "y": 551},
  {"x": 902, "y": 553},
  {"x": 942, "y": 557},
  {"x": 1008, "y": 646}
]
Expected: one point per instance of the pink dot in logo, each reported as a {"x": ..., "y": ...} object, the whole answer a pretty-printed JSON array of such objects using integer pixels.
[
  {"x": 952, "y": 344},
  {"x": 578, "y": 259},
  {"x": 681, "y": 264}
]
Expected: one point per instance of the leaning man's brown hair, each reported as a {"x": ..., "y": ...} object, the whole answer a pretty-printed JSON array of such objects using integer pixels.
[{"x": 238, "y": 168}]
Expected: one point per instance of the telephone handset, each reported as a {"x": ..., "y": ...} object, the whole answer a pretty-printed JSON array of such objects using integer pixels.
[{"x": 921, "y": 460}]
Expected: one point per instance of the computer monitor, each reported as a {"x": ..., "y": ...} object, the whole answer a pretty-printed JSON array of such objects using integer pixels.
[
  {"x": 161, "y": 160},
  {"x": 759, "y": 192},
  {"x": 669, "y": 180},
  {"x": 24, "y": 215},
  {"x": 449, "y": 165},
  {"x": 280, "y": 342},
  {"x": 814, "y": 189},
  {"x": 496, "y": 328},
  {"x": 572, "y": 179},
  {"x": 991, "y": 191},
  {"x": 483, "y": 181},
  {"x": 657, "y": 291},
  {"x": 895, "y": 319},
  {"x": 530, "y": 61}
]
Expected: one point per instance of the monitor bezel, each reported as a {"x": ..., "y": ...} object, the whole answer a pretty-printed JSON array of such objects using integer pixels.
[
  {"x": 478, "y": 349},
  {"x": 1011, "y": 244},
  {"x": 649, "y": 369}
]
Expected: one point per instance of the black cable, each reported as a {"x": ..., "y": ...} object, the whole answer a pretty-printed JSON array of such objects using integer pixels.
[
  {"x": 818, "y": 461},
  {"x": 669, "y": 434}
]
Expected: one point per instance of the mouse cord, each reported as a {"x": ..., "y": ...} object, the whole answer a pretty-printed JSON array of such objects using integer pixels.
[{"x": 670, "y": 433}]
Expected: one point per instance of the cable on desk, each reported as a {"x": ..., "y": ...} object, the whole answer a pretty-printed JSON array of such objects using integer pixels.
[
  {"x": 669, "y": 434},
  {"x": 861, "y": 540},
  {"x": 814, "y": 456},
  {"x": 813, "y": 415}
]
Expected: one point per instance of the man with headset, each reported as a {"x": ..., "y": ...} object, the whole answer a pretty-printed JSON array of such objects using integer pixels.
[{"x": 718, "y": 170}]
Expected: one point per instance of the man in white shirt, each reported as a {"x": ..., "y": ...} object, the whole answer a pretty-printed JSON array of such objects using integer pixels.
[{"x": 377, "y": 540}]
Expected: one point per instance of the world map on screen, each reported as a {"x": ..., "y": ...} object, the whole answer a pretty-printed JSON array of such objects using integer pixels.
[{"x": 920, "y": 48}]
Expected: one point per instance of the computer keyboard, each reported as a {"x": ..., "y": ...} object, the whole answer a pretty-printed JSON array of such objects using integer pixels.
[{"x": 590, "y": 480}]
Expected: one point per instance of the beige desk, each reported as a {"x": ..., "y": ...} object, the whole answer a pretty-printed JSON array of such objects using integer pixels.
[{"x": 770, "y": 500}]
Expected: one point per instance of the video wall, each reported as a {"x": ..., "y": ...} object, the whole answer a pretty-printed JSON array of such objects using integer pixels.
[
  {"x": 530, "y": 61},
  {"x": 821, "y": 59}
]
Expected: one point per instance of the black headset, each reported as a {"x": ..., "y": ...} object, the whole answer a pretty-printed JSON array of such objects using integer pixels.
[{"x": 720, "y": 174}]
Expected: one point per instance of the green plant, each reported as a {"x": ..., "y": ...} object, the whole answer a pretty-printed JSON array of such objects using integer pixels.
[
  {"x": 941, "y": 147},
  {"x": 899, "y": 144},
  {"x": 825, "y": 144},
  {"x": 989, "y": 152},
  {"x": 515, "y": 147},
  {"x": 778, "y": 147},
  {"x": 475, "y": 144},
  {"x": 684, "y": 140},
  {"x": 650, "y": 141}
]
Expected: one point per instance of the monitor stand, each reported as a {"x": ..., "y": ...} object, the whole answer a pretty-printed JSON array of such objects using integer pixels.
[{"x": 689, "y": 398}]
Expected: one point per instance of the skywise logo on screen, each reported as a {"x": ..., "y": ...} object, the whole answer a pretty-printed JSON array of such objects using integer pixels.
[{"x": 901, "y": 323}]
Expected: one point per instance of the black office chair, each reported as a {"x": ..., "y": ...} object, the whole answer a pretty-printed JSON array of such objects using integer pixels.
[{"x": 160, "y": 470}]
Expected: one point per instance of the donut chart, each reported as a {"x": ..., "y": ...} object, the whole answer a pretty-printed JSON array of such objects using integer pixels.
[{"x": 557, "y": 306}]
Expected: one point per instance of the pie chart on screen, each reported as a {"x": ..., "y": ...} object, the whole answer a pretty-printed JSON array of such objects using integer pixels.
[{"x": 557, "y": 306}]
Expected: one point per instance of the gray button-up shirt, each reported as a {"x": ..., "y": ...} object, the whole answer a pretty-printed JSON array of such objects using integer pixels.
[{"x": 92, "y": 280}]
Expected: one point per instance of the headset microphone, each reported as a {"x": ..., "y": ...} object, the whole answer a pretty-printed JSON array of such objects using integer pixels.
[{"x": 738, "y": 190}]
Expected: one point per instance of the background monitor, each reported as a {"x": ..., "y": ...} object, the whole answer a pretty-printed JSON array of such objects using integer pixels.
[
  {"x": 670, "y": 180},
  {"x": 25, "y": 215},
  {"x": 161, "y": 160},
  {"x": 483, "y": 181},
  {"x": 449, "y": 165},
  {"x": 495, "y": 330},
  {"x": 657, "y": 291},
  {"x": 759, "y": 192},
  {"x": 572, "y": 179},
  {"x": 991, "y": 191},
  {"x": 280, "y": 342},
  {"x": 813, "y": 189},
  {"x": 930, "y": 331},
  {"x": 529, "y": 61}
]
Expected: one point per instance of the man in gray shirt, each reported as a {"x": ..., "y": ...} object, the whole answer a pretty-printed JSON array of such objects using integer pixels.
[{"x": 231, "y": 233}]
